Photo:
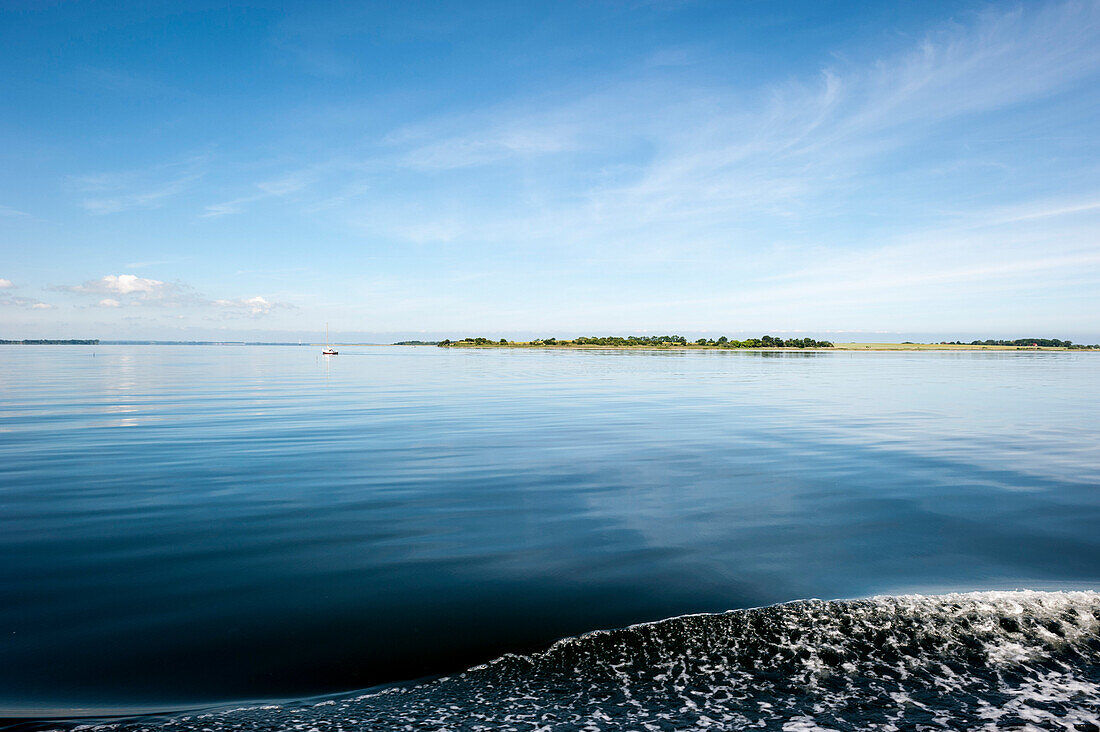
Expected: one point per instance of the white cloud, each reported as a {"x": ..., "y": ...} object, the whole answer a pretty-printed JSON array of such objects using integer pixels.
[
  {"x": 124, "y": 284},
  {"x": 30, "y": 303},
  {"x": 124, "y": 290},
  {"x": 129, "y": 289},
  {"x": 252, "y": 306},
  {"x": 9, "y": 300}
]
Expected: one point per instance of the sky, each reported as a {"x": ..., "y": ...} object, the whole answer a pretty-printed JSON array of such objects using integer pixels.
[{"x": 252, "y": 170}]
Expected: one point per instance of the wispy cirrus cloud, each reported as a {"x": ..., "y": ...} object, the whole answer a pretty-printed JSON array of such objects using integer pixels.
[
  {"x": 281, "y": 187},
  {"x": 115, "y": 192},
  {"x": 1046, "y": 209},
  {"x": 517, "y": 141},
  {"x": 804, "y": 175},
  {"x": 908, "y": 175},
  {"x": 9, "y": 212},
  {"x": 668, "y": 158}
]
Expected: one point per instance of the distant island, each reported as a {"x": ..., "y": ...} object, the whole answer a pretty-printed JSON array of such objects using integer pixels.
[
  {"x": 417, "y": 343},
  {"x": 52, "y": 342},
  {"x": 1043, "y": 342},
  {"x": 664, "y": 341},
  {"x": 766, "y": 342}
]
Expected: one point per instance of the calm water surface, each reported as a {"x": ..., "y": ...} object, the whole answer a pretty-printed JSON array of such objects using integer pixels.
[{"x": 195, "y": 524}]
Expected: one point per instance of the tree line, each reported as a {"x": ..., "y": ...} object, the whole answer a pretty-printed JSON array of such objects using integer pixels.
[
  {"x": 52, "y": 342},
  {"x": 1043, "y": 342},
  {"x": 766, "y": 341}
]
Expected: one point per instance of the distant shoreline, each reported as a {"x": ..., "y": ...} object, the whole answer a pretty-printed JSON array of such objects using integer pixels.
[
  {"x": 766, "y": 343},
  {"x": 536, "y": 345},
  {"x": 834, "y": 347}
]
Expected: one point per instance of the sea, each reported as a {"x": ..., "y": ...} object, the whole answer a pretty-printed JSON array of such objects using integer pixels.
[{"x": 421, "y": 538}]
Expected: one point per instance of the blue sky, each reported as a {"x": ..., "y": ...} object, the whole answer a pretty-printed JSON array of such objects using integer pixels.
[{"x": 187, "y": 170}]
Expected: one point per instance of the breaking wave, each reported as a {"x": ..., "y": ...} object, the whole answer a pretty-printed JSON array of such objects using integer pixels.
[{"x": 983, "y": 660}]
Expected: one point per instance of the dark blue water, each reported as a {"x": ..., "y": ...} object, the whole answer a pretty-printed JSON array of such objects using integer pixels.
[{"x": 186, "y": 525}]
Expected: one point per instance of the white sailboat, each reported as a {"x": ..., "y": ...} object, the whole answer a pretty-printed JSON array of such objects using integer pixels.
[{"x": 329, "y": 350}]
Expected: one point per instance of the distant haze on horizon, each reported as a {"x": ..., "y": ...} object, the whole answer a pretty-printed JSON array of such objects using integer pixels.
[{"x": 851, "y": 171}]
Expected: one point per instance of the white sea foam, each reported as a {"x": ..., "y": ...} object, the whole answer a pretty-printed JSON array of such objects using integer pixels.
[{"x": 981, "y": 660}]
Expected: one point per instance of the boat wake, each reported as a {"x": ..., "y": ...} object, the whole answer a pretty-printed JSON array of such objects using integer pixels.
[{"x": 983, "y": 660}]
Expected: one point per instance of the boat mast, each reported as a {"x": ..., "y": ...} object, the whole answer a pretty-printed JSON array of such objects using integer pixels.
[{"x": 326, "y": 335}]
